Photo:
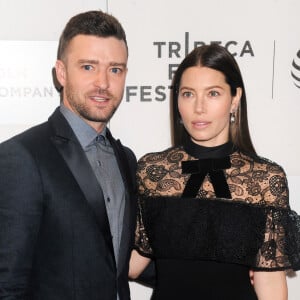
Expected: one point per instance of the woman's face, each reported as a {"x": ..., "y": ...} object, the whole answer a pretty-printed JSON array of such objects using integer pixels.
[{"x": 205, "y": 103}]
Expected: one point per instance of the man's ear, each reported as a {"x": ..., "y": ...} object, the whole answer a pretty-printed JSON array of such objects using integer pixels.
[{"x": 60, "y": 71}]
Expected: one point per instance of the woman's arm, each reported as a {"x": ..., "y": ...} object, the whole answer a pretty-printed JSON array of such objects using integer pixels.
[
  {"x": 270, "y": 285},
  {"x": 137, "y": 264}
]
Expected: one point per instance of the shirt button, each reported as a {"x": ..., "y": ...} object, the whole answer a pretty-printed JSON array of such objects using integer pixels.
[{"x": 108, "y": 199}]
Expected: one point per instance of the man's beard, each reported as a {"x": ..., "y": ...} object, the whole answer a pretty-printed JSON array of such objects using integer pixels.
[
  {"x": 87, "y": 113},
  {"x": 84, "y": 112}
]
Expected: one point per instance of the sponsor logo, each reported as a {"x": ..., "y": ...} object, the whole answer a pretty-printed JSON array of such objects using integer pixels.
[
  {"x": 171, "y": 53},
  {"x": 295, "y": 71}
]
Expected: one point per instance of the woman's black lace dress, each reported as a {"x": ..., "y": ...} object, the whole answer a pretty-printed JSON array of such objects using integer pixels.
[{"x": 208, "y": 215}]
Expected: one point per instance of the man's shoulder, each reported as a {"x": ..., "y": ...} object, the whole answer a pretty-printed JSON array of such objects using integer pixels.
[
  {"x": 117, "y": 143},
  {"x": 130, "y": 157},
  {"x": 22, "y": 149},
  {"x": 33, "y": 134},
  {"x": 128, "y": 150}
]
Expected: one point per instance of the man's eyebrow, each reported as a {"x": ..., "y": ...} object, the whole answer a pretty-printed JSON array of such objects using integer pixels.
[
  {"x": 88, "y": 61},
  {"x": 96, "y": 62},
  {"x": 117, "y": 64}
]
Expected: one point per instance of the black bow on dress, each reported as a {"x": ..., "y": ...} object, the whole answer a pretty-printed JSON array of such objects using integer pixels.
[{"x": 214, "y": 168}]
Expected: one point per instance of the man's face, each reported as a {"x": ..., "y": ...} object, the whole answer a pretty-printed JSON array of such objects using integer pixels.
[{"x": 92, "y": 74}]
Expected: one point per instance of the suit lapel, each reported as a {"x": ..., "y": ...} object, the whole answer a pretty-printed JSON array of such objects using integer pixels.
[
  {"x": 70, "y": 149},
  {"x": 128, "y": 220}
]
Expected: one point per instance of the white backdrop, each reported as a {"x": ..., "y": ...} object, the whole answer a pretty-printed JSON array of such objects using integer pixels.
[{"x": 264, "y": 36}]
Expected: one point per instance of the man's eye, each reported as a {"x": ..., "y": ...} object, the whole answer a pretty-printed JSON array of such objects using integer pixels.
[
  {"x": 116, "y": 70},
  {"x": 87, "y": 67}
]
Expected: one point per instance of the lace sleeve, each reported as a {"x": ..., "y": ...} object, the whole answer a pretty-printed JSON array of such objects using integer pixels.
[
  {"x": 141, "y": 239},
  {"x": 280, "y": 249}
]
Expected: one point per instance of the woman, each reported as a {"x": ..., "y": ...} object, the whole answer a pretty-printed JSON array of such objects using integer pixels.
[{"x": 211, "y": 209}]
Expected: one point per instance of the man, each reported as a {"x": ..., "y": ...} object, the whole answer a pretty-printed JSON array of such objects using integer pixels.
[{"x": 67, "y": 207}]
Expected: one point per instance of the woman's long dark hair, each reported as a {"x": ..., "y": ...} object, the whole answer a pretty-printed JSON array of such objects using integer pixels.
[{"x": 218, "y": 58}]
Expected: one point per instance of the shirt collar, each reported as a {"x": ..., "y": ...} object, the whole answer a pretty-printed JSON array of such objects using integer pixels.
[{"x": 83, "y": 131}]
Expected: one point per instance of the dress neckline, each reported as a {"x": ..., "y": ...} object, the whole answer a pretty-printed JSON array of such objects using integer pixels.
[{"x": 200, "y": 152}]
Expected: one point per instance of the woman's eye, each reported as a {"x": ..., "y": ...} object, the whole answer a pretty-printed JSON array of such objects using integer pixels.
[{"x": 187, "y": 94}]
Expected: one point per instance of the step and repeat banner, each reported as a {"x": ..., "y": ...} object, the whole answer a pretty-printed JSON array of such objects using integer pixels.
[{"x": 264, "y": 37}]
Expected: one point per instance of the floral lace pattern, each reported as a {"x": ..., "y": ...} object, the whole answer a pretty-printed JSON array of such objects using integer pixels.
[{"x": 252, "y": 182}]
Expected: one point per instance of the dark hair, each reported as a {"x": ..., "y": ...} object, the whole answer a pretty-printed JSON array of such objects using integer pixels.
[
  {"x": 95, "y": 23},
  {"x": 218, "y": 58}
]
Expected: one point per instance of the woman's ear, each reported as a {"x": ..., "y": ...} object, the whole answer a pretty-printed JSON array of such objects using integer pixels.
[{"x": 236, "y": 100}]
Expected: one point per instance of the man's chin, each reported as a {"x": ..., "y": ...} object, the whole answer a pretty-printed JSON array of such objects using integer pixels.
[{"x": 98, "y": 119}]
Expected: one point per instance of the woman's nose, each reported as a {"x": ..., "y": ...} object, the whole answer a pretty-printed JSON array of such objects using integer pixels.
[{"x": 200, "y": 104}]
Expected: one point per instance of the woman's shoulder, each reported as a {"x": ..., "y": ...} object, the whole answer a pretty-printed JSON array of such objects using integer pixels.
[
  {"x": 263, "y": 180},
  {"x": 258, "y": 162}
]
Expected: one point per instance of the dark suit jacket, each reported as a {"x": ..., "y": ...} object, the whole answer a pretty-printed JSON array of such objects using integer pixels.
[{"x": 55, "y": 241}]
